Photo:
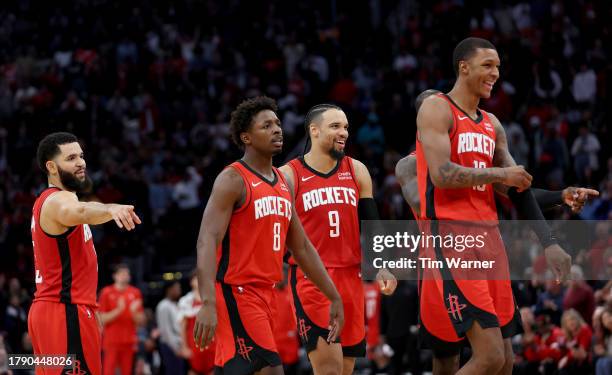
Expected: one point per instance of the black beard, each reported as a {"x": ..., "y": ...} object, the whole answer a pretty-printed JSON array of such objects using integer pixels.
[
  {"x": 335, "y": 154},
  {"x": 72, "y": 183}
]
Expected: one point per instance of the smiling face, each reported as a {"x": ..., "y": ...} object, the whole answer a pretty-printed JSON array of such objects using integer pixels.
[
  {"x": 69, "y": 165},
  {"x": 331, "y": 132},
  {"x": 481, "y": 71},
  {"x": 265, "y": 133}
]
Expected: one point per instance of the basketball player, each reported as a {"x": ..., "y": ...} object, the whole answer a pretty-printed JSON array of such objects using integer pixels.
[
  {"x": 332, "y": 192},
  {"x": 405, "y": 172},
  {"x": 120, "y": 312},
  {"x": 248, "y": 221},
  {"x": 62, "y": 319},
  {"x": 461, "y": 152}
]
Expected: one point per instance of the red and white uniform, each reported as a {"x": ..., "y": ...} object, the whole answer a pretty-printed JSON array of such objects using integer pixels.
[
  {"x": 201, "y": 362},
  {"x": 451, "y": 299},
  {"x": 327, "y": 207},
  {"x": 119, "y": 339},
  {"x": 249, "y": 263},
  {"x": 62, "y": 317}
]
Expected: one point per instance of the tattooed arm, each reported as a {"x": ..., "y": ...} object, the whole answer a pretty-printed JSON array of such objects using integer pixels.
[
  {"x": 433, "y": 122},
  {"x": 405, "y": 172}
]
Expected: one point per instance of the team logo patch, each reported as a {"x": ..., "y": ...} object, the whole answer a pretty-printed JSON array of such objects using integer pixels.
[
  {"x": 303, "y": 329},
  {"x": 243, "y": 349},
  {"x": 76, "y": 370},
  {"x": 455, "y": 307}
]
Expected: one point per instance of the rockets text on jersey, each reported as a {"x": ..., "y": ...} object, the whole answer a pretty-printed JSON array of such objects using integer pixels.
[
  {"x": 253, "y": 248},
  {"x": 327, "y": 207}
]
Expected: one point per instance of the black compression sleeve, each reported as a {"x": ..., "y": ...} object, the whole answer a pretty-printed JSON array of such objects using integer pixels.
[
  {"x": 527, "y": 207},
  {"x": 548, "y": 199},
  {"x": 367, "y": 209}
]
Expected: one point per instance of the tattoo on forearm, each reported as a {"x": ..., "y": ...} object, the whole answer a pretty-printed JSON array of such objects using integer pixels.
[{"x": 456, "y": 176}]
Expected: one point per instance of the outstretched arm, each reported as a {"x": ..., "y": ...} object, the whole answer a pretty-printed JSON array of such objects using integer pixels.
[
  {"x": 63, "y": 210},
  {"x": 227, "y": 191},
  {"x": 433, "y": 122},
  {"x": 526, "y": 204}
]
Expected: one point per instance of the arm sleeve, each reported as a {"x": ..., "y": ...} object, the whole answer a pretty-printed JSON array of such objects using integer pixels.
[
  {"x": 528, "y": 208},
  {"x": 548, "y": 199}
]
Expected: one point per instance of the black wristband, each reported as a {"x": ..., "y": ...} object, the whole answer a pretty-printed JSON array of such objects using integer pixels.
[
  {"x": 548, "y": 199},
  {"x": 528, "y": 208},
  {"x": 367, "y": 209}
]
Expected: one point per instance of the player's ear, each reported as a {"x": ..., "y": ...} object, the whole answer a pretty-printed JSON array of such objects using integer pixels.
[
  {"x": 463, "y": 67},
  {"x": 51, "y": 167},
  {"x": 245, "y": 138},
  {"x": 314, "y": 130}
]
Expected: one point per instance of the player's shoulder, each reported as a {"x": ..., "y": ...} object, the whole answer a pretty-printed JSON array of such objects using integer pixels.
[
  {"x": 358, "y": 166},
  {"x": 59, "y": 197},
  {"x": 405, "y": 163},
  {"x": 435, "y": 101},
  {"x": 289, "y": 169},
  {"x": 133, "y": 289},
  {"x": 230, "y": 178},
  {"x": 435, "y": 111},
  {"x": 107, "y": 290}
]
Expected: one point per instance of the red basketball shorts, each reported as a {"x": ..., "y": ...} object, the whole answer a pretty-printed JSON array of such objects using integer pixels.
[
  {"x": 452, "y": 299},
  {"x": 58, "y": 328},
  {"x": 245, "y": 338},
  {"x": 312, "y": 309}
]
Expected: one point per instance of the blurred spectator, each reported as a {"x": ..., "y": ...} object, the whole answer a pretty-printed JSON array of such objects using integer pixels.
[
  {"x": 121, "y": 312},
  {"x": 579, "y": 295},
  {"x": 200, "y": 361},
  {"x": 550, "y": 301},
  {"x": 603, "y": 344},
  {"x": 170, "y": 337},
  {"x": 584, "y": 86},
  {"x": 15, "y": 322},
  {"x": 585, "y": 150},
  {"x": 575, "y": 345}
]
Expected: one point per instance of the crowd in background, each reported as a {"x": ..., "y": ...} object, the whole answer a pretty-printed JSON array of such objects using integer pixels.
[{"x": 148, "y": 87}]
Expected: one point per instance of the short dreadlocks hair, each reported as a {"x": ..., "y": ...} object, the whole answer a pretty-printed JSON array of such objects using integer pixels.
[
  {"x": 242, "y": 116},
  {"x": 314, "y": 114}
]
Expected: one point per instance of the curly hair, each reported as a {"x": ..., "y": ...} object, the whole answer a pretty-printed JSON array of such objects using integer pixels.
[{"x": 242, "y": 116}]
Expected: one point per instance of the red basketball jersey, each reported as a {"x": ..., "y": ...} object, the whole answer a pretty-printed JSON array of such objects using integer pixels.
[
  {"x": 122, "y": 330},
  {"x": 472, "y": 146},
  {"x": 253, "y": 248},
  {"x": 327, "y": 206},
  {"x": 66, "y": 265}
]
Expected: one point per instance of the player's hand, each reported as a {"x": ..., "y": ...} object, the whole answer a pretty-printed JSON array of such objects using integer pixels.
[
  {"x": 518, "y": 177},
  {"x": 336, "y": 320},
  {"x": 386, "y": 281},
  {"x": 135, "y": 305},
  {"x": 205, "y": 325},
  {"x": 576, "y": 197},
  {"x": 559, "y": 261},
  {"x": 120, "y": 304},
  {"x": 124, "y": 216}
]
